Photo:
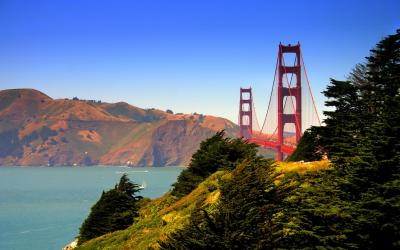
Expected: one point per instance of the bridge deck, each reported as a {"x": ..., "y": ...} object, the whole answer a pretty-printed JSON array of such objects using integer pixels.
[{"x": 286, "y": 149}]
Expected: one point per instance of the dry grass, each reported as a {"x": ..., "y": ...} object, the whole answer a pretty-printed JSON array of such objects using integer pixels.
[{"x": 301, "y": 167}]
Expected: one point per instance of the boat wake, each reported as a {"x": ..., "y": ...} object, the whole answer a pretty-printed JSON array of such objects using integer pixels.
[{"x": 134, "y": 171}]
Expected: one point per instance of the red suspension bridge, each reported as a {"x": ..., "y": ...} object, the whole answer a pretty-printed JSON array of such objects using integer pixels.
[{"x": 291, "y": 107}]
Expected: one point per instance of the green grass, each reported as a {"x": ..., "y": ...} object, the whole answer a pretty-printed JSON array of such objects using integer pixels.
[{"x": 160, "y": 217}]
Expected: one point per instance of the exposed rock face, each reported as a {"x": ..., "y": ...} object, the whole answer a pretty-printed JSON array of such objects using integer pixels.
[
  {"x": 38, "y": 130},
  {"x": 71, "y": 245}
]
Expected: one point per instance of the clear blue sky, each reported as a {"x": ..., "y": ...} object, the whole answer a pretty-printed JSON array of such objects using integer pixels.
[{"x": 188, "y": 56}]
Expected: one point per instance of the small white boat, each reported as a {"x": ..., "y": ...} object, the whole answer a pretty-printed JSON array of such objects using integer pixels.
[{"x": 143, "y": 186}]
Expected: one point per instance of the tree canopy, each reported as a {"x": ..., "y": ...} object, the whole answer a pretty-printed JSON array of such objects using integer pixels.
[
  {"x": 362, "y": 138},
  {"x": 215, "y": 153},
  {"x": 115, "y": 210}
]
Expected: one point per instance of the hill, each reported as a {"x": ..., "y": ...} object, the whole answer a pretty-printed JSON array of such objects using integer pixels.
[
  {"x": 161, "y": 217},
  {"x": 38, "y": 130}
]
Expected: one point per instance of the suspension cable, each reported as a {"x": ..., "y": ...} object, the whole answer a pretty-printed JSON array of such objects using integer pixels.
[
  {"x": 270, "y": 96},
  {"x": 309, "y": 88},
  {"x": 284, "y": 104},
  {"x": 255, "y": 113}
]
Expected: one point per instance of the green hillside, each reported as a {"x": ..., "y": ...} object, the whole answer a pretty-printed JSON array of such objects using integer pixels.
[{"x": 165, "y": 215}]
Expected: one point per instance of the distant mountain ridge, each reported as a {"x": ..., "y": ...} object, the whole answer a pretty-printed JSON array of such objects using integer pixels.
[{"x": 38, "y": 130}]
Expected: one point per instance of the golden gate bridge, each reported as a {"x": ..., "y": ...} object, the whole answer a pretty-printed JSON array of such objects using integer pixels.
[{"x": 291, "y": 107}]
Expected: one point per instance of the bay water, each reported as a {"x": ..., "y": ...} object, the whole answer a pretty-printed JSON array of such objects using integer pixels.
[{"x": 43, "y": 207}]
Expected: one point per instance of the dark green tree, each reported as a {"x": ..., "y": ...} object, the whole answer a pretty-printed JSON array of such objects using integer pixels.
[
  {"x": 310, "y": 147},
  {"x": 215, "y": 153},
  {"x": 343, "y": 125},
  {"x": 378, "y": 198},
  {"x": 383, "y": 99},
  {"x": 115, "y": 210},
  {"x": 362, "y": 137},
  {"x": 127, "y": 187},
  {"x": 244, "y": 218}
]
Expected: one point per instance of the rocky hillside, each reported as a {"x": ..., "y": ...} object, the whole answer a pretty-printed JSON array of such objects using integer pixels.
[{"x": 38, "y": 130}]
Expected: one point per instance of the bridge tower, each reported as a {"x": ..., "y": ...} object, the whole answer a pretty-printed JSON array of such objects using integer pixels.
[
  {"x": 287, "y": 94},
  {"x": 246, "y": 113}
]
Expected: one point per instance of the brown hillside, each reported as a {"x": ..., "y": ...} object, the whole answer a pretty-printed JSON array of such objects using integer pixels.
[{"x": 38, "y": 130}]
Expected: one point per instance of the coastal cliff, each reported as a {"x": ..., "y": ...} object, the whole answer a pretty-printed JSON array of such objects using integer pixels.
[{"x": 38, "y": 130}]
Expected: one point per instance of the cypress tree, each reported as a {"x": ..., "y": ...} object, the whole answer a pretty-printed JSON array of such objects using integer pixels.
[
  {"x": 244, "y": 218},
  {"x": 215, "y": 153},
  {"x": 115, "y": 210}
]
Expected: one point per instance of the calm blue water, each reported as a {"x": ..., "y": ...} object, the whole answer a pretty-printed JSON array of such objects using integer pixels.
[{"x": 42, "y": 208}]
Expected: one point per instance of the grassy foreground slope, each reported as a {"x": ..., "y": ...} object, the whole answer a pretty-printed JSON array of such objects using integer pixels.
[
  {"x": 161, "y": 216},
  {"x": 167, "y": 214}
]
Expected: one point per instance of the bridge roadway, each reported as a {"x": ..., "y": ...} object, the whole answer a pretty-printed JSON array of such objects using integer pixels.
[{"x": 286, "y": 149}]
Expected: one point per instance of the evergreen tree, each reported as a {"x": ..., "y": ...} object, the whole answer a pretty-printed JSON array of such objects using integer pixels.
[
  {"x": 310, "y": 147},
  {"x": 378, "y": 204},
  {"x": 314, "y": 215},
  {"x": 383, "y": 97},
  {"x": 214, "y": 154},
  {"x": 342, "y": 124},
  {"x": 115, "y": 210},
  {"x": 129, "y": 188},
  {"x": 362, "y": 138},
  {"x": 244, "y": 218}
]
